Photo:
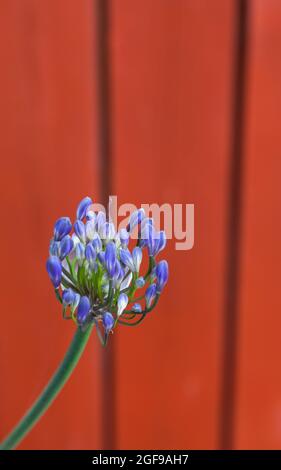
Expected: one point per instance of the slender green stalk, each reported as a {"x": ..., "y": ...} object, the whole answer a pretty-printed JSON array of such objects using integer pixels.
[{"x": 51, "y": 390}]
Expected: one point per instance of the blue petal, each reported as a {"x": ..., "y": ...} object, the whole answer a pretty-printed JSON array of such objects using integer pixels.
[
  {"x": 62, "y": 227},
  {"x": 66, "y": 246},
  {"x": 124, "y": 237},
  {"x": 110, "y": 258},
  {"x": 54, "y": 270},
  {"x": 150, "y": 294},
  {"x": 97, "y": 243},
  {"x": 90, "y": 254},
  {"x": 137, "y": 257},
  {"x": 54, "y": 248},
  {"x": 83, "y": 206},
  {"x": 162, "y": 274},
  {"x": 83, "y": 309},
  {"x": 126, "y": 259},
  {"x": 108, "y": 321},
  {"x": 80, "y": 231},
  {"x": 68, "y": 297}
]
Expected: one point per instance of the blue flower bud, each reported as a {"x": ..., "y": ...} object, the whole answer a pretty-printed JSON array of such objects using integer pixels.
[
  {"x": 80, "y": 231},
  {"x": 107, "y": 231},
  {"x": 150, "y": 294},
  {"x": 83, "y": 310},
  {"x": 75, "y": 302},
  {"x": 126, "y": 282},
  {"x": 101, "y": 257},
  {"x": 117, "y": 270},
  {"x": 54, "y": 248},
  {"x": 66, "y": 246},
  {"x": 121, "y": 273},
  {"x": 136, "y": 308},
  {"x": 162, "y": 274},
  {"x": 147, "y": 228},
  {"x": 54, "y": 270},
  {"x": 90, "y": 254},
  {"x": 159, "y": 243},
  {"x": 90, "y": 229},
  {"x": 68, "y": 297},
  {"x": 110, "y": 258},
  {"x": 151, "y": 239},
  {"x": 97, "y": 243},
  {"x": 135, "y": 219},
  {"x": 127, "y": 259},
  {"x": 83, "y": 206},
  {"x": 122, "y": 304},
  {"x": 124, "y": 237},
  {"x": 108, "y": 321},
  {"x": 62, "y": 227},
  {"x": 137, "y": 258},
  {"x": 80, "y": 252},
  {"x": 100, "y": 220},
  {"x": 162, "y": 241},
  {"x": 140, "y": 282}
]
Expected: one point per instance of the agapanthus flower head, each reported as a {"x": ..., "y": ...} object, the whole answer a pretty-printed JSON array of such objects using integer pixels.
[{"x": 96, "y": 270}]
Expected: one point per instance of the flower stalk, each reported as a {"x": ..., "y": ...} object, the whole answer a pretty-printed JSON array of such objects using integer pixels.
[{"x": 51, "y": 390}]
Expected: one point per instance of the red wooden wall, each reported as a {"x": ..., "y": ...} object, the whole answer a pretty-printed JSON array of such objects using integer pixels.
[{"x": 151, "y": 88}]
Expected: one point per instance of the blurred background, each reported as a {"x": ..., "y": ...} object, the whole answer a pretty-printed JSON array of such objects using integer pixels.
[{"x": 154, "y": 101}]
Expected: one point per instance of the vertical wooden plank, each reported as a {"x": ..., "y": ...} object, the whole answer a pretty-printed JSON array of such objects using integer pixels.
[
  {"x": 172, "y": 66},
  {"x": 258, "y": 414},
  {"x": 48, "y": 162}
]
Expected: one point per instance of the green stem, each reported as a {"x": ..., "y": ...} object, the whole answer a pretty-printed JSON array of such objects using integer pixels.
[{"x": 51, "y": 390}]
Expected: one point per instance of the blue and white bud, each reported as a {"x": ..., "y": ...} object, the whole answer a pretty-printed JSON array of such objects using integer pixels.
[
  {"x": 90, "y": 255},
  {"x": 122, "y": 304},
  {"x": 54, "y": 248},
  {"x": 100, "y": 220},
  {"x": 90, "y": 229},
  {"x": 140, "y": 282},
  {"x": 146, "y": 225},
  {"x": 54, "y": 269},
  {"x": 80, "y": 252},
  {"x": 79, "y": 229},
  {"x": 97, "y": 243},
  {"x": 135, "y": 219},
  {"x": 75, "y": 240},
  {"x": 151, "y": 240},
  {"x": 162, "y": 274},
  {"x": 107, "y": 231},
  {"x": 101, "y": 257},
  {"x": 68, "y": 297},
  {"x": 110, "y": 259},
  {"x": 137, "y": 258},
  {"x": 162, "y": 241},
  {"x": 126, "y": 282},
  {"x": 75, "y": 302},
  {"x": 108, "y": 321},
  {"x": 62, "y": 227},
  {"x": 124, "y": 237},
  {"x": 127, "y": 259},
  {"x": 117, "y": 271},
  {"x": 83, "y": 206},
  {"x": 83, "y": 310},
  {"x": 159, "y": 242},
  {"x": 150, "y": 294},
  {"x": 137, "y": 308},
  {"x": 66, "y": 247}
]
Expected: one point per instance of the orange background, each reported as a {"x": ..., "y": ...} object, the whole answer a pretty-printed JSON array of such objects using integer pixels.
[{"x": 155, "y": 101}]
